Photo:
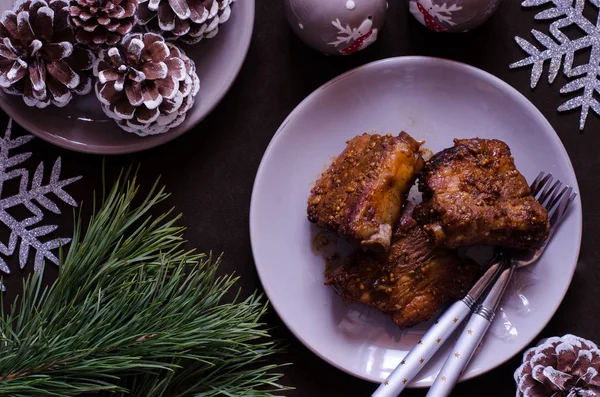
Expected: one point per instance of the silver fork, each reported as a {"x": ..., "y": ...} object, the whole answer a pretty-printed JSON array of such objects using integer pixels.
[
  {"x": 450, "y": 320},
  {"x": 556, "y": 198}
]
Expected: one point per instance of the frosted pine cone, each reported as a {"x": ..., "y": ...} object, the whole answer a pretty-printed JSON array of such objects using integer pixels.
[
  {"x": 188, "y": 20},
  {"x": 37, "y": 57},
  {"x": 560, "y": 367},
  {"x": 102, "y": 22},
  {"x": 145, "y": 84}
]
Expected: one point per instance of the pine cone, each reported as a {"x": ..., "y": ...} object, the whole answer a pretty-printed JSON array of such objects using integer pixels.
[
  {"x": 37, "y": 57},
  {"x": 145, "y": 84},
  {"x": 102, "y": 22},
  {"x": 566, "y": 366},
  {"x": 188, "y": 20}
]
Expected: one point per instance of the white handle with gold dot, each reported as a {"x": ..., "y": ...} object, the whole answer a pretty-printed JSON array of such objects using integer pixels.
[
  {"x": 459, "y": 356},
  {"x": 420, "y": 354},
  {"x": 470, "y": 338},
  {"x": 437, "y": 335}
]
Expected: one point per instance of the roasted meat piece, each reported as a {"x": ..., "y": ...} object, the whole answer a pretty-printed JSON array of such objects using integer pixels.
[
  {"x": 411, "y": 282},
  {"x": 361, "y": 195},
  {"x": 474, "y": 195}
]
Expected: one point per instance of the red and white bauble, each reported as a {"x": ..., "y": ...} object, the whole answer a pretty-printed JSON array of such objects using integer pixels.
[
  {"x": 337, "y": 27},
  {"x": 452, "y": 15}
]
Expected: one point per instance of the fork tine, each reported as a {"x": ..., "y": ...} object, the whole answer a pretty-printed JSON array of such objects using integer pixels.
[
  {"x": 561, "y": 210},
  {"x": 562, "y": 205},
  {"x": 539, "y": 182},
  {"x": 571, "y": 199},
  {"x": 552, "y": 201},
  {"x": 556, "y": 202},
  {"x": 549, "y": 190},
  {"x": 536, "y": 181}
]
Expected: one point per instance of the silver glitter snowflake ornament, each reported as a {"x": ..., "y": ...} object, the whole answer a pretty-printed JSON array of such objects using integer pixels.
[
  {"x": 34, "y": 196},
  {"x": 567, "y": 13}
]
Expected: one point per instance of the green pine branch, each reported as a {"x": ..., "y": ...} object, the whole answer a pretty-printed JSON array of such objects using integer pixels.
[{"x": 134, "y": 314}]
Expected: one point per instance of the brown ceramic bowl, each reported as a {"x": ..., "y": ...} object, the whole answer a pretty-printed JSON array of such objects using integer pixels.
[{"x": 82, "y": 125}]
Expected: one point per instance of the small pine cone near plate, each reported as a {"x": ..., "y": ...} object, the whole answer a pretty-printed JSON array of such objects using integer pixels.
[
  {"x": 38, "y": 60},
  {"x": 101, "y": 22},
  {"x": 187, "y": 20},
  {"x": 566, "y": 366},
  {"x": 145, "y": 84}
]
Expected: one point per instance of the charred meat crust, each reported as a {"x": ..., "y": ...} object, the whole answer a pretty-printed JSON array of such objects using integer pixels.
[
  {"x": 411, "y": 282},
  {"x": 361, "y": 195},
  {"x": 474, "y": 195}
]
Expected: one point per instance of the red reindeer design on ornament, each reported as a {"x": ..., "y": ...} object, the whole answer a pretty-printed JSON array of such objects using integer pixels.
[
  {"x": 437, "y": 17},
  {"x": 361, "y": 37},
  {"x": 430, "y": 21}
]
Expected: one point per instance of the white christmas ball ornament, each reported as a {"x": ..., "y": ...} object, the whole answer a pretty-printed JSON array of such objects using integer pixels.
[
  {"x": 452, "y": 15},
  {"x": 340, "y": 27}
]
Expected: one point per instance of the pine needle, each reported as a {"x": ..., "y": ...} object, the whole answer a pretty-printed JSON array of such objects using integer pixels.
[{"x": 133, "y": 313}]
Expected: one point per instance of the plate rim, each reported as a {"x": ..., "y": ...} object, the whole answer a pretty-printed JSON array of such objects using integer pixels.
[
  {"x": 536, "y": 113},
  {"x": 145, "y": 144}
]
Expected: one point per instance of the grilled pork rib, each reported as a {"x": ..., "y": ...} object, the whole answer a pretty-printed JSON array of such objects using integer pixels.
[
  {"x": 474, "y": 195},
  {"x": 411, "y": 282},
  {"x": 362, "y": 193}
]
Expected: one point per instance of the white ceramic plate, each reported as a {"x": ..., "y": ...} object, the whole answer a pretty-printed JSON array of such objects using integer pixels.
[{"x": 435, "y": 100}]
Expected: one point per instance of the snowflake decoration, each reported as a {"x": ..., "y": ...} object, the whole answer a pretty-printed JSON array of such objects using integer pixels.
[
  {"x": 585, "y": 76},
  {"x": 26, "y": 233}
]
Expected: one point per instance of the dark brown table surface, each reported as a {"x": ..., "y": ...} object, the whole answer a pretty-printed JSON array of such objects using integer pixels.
[{"x": 210, "y": 170}]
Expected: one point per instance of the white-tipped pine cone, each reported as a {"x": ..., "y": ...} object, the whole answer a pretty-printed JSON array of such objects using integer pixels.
[
  {"x": 560, "y": 367},
  {"x": 145, "y": 84},
  {"x": 102, "y": 22},
  {"x": 187, "y": 20},
  {"x": 37, "y": 57}
]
